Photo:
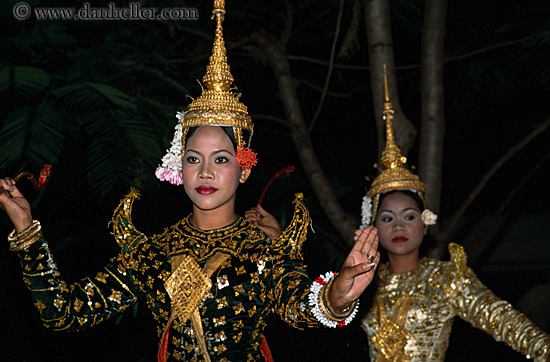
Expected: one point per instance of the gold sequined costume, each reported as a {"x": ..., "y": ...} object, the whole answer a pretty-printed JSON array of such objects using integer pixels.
[
  {"x": 258, "y": 277},
  {"x": 413, "y": 313}
]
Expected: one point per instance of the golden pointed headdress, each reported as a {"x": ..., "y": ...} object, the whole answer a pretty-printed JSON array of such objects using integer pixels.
[
  {"x": 216, "y": 106},
  {"x": 393, "y": 175}
]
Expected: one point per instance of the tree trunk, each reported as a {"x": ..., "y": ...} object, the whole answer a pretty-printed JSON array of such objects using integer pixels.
[
  {"x": 379, "y": 37},
  {"x": 275, "y": 53},
  {"x": 432, "y": 129}
]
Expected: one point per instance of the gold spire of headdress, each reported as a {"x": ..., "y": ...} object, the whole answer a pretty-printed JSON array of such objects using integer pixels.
[
  {"x": 217, "y": 105},
  {"x": 393, "y": 175}
]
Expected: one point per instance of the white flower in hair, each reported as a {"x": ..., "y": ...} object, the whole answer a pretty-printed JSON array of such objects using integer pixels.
[
  {"x": 171, "y": 162},
  {"x": 366, "y": 212},
  {"x": 429, "y": 217}
]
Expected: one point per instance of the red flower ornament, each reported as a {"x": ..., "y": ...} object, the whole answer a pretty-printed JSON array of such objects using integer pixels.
[{"x": 246, "y": 158}]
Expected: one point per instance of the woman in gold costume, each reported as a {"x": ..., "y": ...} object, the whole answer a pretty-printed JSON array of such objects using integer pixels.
[
  {"x": 417, "y": 298},
  {"x": 211, "y": 279}
]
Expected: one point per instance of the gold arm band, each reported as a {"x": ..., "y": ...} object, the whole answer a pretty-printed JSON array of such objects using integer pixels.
[{"x": 21, "y": 241}]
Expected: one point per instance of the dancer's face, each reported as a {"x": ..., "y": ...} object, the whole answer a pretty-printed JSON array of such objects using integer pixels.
[
  {"x": 210, "y": 170},
  {"x": 399, "y": 223}
]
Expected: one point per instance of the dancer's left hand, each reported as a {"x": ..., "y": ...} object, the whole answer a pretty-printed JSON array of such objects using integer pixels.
[{"x": 358, "y": 269}]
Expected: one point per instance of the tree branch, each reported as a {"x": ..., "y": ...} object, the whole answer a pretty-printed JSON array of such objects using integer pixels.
[
  {"x": 432, "y": 126},
  {"x": 381, "y": 54},
  {"x": 417, "y": 66},
  {"x": 475, "y": 192},
  {"x": 324, "y": 63},
  {"x": 494, "y": 46},
  {"x": 275, "y": 54},
  {"x": 285, "y": 34},
  {"x": 314, "y": 86},
  {"x": 478, "y": 242},
  {"x": 268, "y": 117},
  {"x": 330, "y": 68}
]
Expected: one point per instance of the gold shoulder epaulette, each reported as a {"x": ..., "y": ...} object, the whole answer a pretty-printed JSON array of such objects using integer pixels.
[
  {"x": 291, "y": 240},
  {"x": 124, "y": 231},
  {"x": 459, "y": 259}
]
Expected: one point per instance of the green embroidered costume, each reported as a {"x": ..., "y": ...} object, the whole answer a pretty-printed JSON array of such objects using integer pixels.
[{"x": 259, "y": 276}]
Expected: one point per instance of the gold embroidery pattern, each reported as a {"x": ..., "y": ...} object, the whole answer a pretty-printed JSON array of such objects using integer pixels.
[
  {"x": 126, "y": 235},
  {"x": 438, "y": 291},
  {"x": 391, "y": 337},
  {"x": 187, "y": 286},
  {"x": 259, "y": 270}
]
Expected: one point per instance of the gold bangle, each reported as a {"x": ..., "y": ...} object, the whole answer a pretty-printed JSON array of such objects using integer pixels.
[
  {"x": 337, "y": 315},
  {"x": 27, "y": 237},
  {"x": 23, "y": 245},
  {"x": 12, "y": 237},
  {"x": 323, "y": 307},
  {"x": 31, "y": 229}
]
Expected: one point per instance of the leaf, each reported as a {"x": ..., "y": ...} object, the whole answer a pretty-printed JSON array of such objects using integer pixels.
[
  {"x": 158, "y": 81},
  {"x": 141, "y": 137},
  {"x": 28, "y": 82},
  {"x": 46, "y": 135},
  {"x": 55, "y": 33},
  {"x": 13, "y": 135},
  {"x": 110, "y": 160},
  {"x": 31, "y": 135},
  {"x": 87, "y": 96}
]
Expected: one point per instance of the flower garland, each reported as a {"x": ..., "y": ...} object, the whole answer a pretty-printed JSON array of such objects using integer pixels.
[
  {"x": 171, "y": 162},
  {"x": 318, "y": 307},
  {"x": 246, "y": 157},
  {"x": 366, "y": 212}
]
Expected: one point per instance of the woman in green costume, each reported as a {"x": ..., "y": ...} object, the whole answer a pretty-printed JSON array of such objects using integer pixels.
[{"x": 211, "y": 279}]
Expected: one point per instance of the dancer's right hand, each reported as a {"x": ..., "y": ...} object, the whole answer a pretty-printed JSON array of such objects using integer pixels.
[{"x": 15, "y": 205}]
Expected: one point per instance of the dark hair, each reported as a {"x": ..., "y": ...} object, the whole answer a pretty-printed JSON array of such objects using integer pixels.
[{"x": 227, "y": 129}]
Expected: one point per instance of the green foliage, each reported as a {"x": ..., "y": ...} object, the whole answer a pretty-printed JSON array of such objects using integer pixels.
[
  {"x": 95, "y": 90},
  {"x": 23, "y": 81}
]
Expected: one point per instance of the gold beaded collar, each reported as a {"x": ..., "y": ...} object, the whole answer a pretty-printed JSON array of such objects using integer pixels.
[
  {"x": 184, "y": 237},
  {"x": 389, "y": 278}
]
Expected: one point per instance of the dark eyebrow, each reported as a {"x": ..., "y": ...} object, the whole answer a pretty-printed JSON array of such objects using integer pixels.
[
  {"x": 221, "y": 151},
  {"x": 406, "y": 209},
  {"x": 214, "y": 153}
]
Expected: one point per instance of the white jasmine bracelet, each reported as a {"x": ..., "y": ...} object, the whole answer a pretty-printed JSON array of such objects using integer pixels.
[{"x": 319, "y": 308}]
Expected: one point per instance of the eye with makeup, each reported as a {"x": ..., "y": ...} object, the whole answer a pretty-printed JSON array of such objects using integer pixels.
[
  {"x": 410, "y": 217},
  {"x": 192, "y": 159},
  {"x": 221, "y": 159}
]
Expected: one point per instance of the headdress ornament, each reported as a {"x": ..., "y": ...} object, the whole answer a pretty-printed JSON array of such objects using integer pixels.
[
  {"x": 218, "y": 105},
  {"x": 393, "y": 175}
]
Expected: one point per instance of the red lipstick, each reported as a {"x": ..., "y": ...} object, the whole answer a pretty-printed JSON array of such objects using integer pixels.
[
  {"x": 206, "y": 190},
  {"x": 399, "y": 239}
]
